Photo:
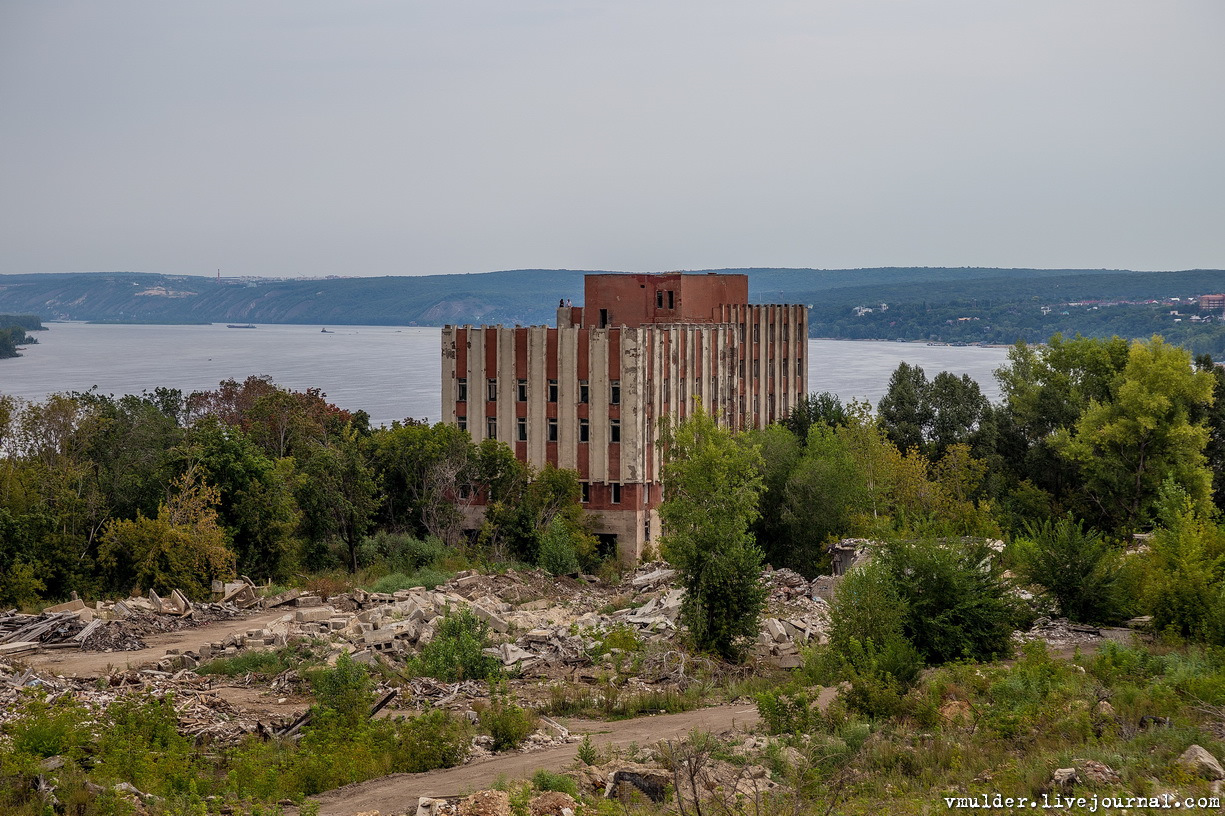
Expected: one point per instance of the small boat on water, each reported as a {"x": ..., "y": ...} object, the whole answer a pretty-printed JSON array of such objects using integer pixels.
[
  {"x": 237, "y": 326},
  {"x": 325, "y": 331}
]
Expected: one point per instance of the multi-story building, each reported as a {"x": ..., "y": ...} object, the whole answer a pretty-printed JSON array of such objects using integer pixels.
[{"x": 588, "y": 394}]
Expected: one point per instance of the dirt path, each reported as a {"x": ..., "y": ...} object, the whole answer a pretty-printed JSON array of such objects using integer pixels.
[
  {"x": 69, "y": 662},
  {"x": 398, "y": 793}
]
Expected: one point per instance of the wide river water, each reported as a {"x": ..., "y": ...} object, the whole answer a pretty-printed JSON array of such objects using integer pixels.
[{"x": 391, "y": 373}]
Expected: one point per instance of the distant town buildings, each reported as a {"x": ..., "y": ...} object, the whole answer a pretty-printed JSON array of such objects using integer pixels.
[{"x": 588, "y": 393}]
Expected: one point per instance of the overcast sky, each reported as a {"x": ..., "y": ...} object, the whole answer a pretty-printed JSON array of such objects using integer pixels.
[{"x": 412, "y": 137}]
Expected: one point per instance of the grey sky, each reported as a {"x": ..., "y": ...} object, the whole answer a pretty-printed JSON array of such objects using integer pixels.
[{"x": 372, "y": 138}]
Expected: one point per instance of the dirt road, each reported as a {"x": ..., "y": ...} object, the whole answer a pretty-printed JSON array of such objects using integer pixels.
[
  {"x": 398, "y": 793},
  {"x": 70, "y": 662}
]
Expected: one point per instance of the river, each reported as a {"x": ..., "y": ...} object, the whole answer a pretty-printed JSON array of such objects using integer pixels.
[{"x": 389, "y": 372}]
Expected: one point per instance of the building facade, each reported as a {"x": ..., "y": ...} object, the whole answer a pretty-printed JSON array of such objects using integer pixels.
[{"x": 588, "y": 393}]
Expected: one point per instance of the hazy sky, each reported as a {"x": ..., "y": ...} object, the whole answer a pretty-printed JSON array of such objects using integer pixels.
[{"x": 410, "y": 137}]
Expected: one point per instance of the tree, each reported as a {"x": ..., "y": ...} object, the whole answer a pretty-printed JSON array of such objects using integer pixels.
[
  {"x": 904, "y": 409},
  {"x": 1144, "y": 431},
  {"x": 338, "y": 495},
  {"x": 815, "y": 409},
  {"x": 183, "y": 548},
  {"x": 711, "y": 485}
]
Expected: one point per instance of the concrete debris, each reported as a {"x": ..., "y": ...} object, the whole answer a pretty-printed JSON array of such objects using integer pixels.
[{"x": 1059, "y": 632}]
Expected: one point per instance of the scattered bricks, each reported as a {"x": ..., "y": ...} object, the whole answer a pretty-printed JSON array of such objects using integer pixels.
[
  {"x": 337, "y": 624},
  {"x": 307, "y": 600},
  {"x": 312, "y": 615}
]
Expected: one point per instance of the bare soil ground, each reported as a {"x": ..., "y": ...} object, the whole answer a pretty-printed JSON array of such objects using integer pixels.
[
  {"x": 398, "y": 793},
  {"x": 71, "y": 662}
]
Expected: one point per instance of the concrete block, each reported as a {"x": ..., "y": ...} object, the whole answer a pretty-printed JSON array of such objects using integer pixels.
[
  {"x": 496, "y": 623},
  {"x": 312, "y": 614},
  {"x": 70, "y": 606}
]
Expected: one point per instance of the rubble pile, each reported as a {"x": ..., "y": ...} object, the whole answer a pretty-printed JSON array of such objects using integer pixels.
[{"x": 1059, "y": 633}]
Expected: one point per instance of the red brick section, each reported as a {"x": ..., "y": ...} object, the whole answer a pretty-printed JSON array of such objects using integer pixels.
[{"x": 672, "y": 297}]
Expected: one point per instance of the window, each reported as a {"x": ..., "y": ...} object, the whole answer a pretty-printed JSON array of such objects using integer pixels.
[
  {"x": 552, "y": 429},
  {"x": 614, "y": 396},
  {"x": 462, "y": 423},
  {"x": 465, "y": 491},
  {"x": 615, "y": 491},
  {"x": 552, "y": 390},
  {"x": 586, "y": 491},
  {"x": 756, "y": 332},
  {"x": 799, "y": 367},
  {"x": 491, "y": 428},
  {"x": 493, "y": 389},
  {"x": 659, "y": 298},
  {"x": 614, "y": 430},
  {"x": 603, "y": 318},
  {"x": 584, "y": 391},
  {"x": 522, "y": 391},
  {"x": 521, "y": 428},
  {"x": 671, "y": 299},
  {"x": 786, "y": 332},
  {"x": 756, "y": 368},
  {"x": 584, "y": 430},
  {"x": 461, "y": 387}
]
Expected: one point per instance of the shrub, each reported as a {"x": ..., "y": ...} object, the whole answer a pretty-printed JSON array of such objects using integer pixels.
[
  {"x": 435, "y": 739},
  {"x": 456, "y": 652},
  {"x": 1076, "y": 566},
  {"x": 507, "y": 723},
  {"x": 344, "y": 690},
  {"x": 401, "y": 552},
  {"x": 587, "y": 753},
  {"x": 544, "y": 780},
  {"x": 955, "y": 600},
  {"x": 788, "y": 712},
  {"x": 44, "y": 729},
  {"x": 556, "y": 555},
  {"x": 425, "y": 577}
]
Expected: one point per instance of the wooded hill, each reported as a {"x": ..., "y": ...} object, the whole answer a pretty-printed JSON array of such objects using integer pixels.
[{"x": 922, "y": 300}]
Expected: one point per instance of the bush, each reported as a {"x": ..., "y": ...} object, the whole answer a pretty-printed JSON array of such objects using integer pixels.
[
  {"x": 507, "y": 723},
  {"x": 956, "y": 602},
  {"x": 425, "y": 577},
  {"x": 401, "y": 552},
  {"x": 344, "y": 691},
  {"x": 456, "y": 652},
  {"x": 544, "y": 780},
  {"x": 788, "y": 712},
  {"x": 1076, "y": 567},
  {"x": 435, "y": 739},
  {"x": 556, "y": 555}
]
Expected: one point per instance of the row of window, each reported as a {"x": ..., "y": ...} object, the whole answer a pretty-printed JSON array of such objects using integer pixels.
[
  {"x": 584, "y": 429},
  {"x": 491, "y": 395}
]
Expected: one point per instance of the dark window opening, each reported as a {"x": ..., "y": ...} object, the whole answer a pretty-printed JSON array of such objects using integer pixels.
[
  {"x": 671, "y": 299},
  {"x": 493, "y": 390},
  {"x": 615, "y": 496},
  {"x": 462, "y": 390},
  {"x": 584, "y": 391},
  {"x": 462, "y": 422},
  {"x": 607, "y": 547},
  {"x": 614, "y": 430},
  {"x": 521, "y": 425},
  {"x": 614, "y": 396},
  {"x": 603, "y": 318},
  {"x": 584, "y": 431},
  {"x": 491, "y": 428},
  {"x": 586, "y": 491},
  {"x": 552, "y": 390},
  {"x": 552, "y": 429},
  {"x": 522, "y": 390},
  {"x": 659, "y": 298}
]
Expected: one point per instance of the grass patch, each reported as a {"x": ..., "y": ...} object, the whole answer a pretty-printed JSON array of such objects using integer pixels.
[{"x": 427, "y": 577}]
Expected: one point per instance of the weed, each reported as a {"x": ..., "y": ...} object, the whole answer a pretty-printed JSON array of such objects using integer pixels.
[{"x": 544, "y": 780}]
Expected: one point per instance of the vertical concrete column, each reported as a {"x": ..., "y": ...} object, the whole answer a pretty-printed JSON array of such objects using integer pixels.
[
  {"x": 537, "y": 393},
  {"x": 567, "y": 398},
  {"x": 506, "y": 385},
  {"x": 476, "y": 385}
]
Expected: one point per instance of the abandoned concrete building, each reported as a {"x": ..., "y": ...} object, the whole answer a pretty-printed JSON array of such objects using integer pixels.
[{"x": 588, "y": 394}]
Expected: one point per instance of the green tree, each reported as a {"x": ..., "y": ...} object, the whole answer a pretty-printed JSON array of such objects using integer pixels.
[
  {"x": 338, "y": 494},
  {"x": 1144, "y": 432},
  {"x": 183, "y": 548},
  {"x": 904, "y": 410},
  {"x": 711, "y": 485}
]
